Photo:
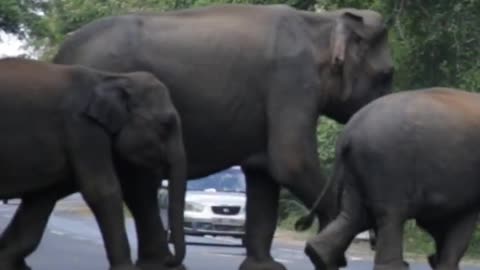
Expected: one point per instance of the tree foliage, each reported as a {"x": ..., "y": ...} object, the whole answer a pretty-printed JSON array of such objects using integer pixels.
[
  {"x": 435, "y": 42},
  {"x": 20, "y": 17}
]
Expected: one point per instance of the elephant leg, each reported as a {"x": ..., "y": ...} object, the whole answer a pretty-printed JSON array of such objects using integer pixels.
[
  {"x": 327, "y": 248},
  {"x": 23, "y": 235},
  {"x": 389, "y": 247},
  {"x": 455, "y": 242},
  {"x": 292, "y": 142},
  {"x": 292, "y": 145},
  {"x": 307, "y": 192},
  {"x": 261, "y": 220},
  {"x": 437, "y": 230},
  {"x": 372, "y": 238},
  {"x": 141, "y": 199},
  {"x": 102, "y": 192},
  {"x": 106, "y": 204}
]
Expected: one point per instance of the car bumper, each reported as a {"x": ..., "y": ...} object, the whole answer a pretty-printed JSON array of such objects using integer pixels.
[{"x": 224, "y": 226}]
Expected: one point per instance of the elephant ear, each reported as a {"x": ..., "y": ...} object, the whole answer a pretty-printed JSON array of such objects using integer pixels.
[
  {"x": 108, "y": 104},
  {"x": 348, "y": 27}
]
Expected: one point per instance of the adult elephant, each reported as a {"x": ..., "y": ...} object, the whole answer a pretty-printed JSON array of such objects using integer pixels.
[
  {"x": 70, "y": 128},
  {"x": 409, "y": 155},
  {"x": 249, "y": 83}
]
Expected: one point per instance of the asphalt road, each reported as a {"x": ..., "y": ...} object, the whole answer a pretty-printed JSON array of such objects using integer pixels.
[{"x": 72, "y": 242}]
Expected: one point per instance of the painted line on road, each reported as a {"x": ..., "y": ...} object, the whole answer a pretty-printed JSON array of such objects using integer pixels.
[
  {"x": 289, "y": 250},
  {"x": 282, "y": 260},
  {"x": 221, "y": 254},
  {"x": 233, "y": 241},
  {"x": 237, "y": 255},
  {"x": 81, "y": 238},
  {"x": 57, "y": 232}
]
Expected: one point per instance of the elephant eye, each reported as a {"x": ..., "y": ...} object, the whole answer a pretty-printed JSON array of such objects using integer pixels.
[
  {"x": 168, "y": 120},
  {"x": 163, "y": 126},
  {"x": 357, "y": 39}
]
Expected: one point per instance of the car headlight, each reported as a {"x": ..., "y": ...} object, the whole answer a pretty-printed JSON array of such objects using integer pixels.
[{"x": 194, "y": 207}]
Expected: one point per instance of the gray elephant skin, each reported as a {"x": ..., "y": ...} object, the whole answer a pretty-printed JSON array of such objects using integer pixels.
[
  {"x": 249, "y": 83},
  {"x": 72, "y": 128},
  {"x": 408, "y": 155}
]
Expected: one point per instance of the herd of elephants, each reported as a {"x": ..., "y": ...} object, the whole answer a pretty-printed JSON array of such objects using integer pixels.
[{"x": 132, "y": 99}]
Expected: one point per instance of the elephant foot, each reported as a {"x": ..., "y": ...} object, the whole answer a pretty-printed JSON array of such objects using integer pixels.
[
  {"x": 447, "y": 267},
  {"x": 324, "y": 257},
  {"x": 5, "y": 265},
  {"x": 158, "y": 266},
  {"x": 435, "y": 264},
  {"x": 392, "y": 266},
  {"x": 251, "y": 264}
]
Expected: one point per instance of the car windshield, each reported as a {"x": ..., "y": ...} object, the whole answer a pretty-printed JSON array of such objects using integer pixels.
[{"x": 230, "y": 180}]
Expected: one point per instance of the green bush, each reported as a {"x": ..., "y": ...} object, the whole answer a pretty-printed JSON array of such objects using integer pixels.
[
  {"x": 416, "y": 240},
  {"x": 419, "y": 242}
]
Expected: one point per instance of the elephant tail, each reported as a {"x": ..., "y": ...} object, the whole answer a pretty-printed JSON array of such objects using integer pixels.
[{"x": 305, "y": 222}]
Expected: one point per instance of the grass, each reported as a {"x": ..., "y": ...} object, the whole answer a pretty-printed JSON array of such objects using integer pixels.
[
  {"x": 288, "y": 224},
  {"x": 417, "y": 243}
]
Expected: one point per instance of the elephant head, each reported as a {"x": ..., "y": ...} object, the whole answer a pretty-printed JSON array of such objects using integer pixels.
[
  {"x": 360, "y": 62},
  {"x": 136, "y": 110},
  {"x": 357, "y": 69}
]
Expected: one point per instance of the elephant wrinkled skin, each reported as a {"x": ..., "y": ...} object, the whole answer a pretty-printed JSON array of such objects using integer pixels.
[
  {"x": 249, "y": 83},
  {"x": 409, "y": 155},
  {"x": 71, "y": 128}
]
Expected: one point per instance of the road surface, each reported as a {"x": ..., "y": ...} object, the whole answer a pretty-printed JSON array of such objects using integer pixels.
[{"x": 72, "y": 241}]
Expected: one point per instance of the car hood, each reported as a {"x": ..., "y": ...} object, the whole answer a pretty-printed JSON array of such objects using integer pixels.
[{"x": 216, "y": 197}]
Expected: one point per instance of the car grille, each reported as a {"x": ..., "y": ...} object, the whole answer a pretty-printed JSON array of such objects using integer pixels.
[
  {"x": 213, "y": 227},
  {"x": 226, "y": 210}
]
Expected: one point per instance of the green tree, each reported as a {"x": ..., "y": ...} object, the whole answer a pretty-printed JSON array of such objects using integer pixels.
[
  {"x": 20, "y": 17},
  {"x": 435, "y": 43}
]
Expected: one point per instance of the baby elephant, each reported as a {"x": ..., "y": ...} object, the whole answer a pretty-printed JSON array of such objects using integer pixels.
[
  {"x": 70, "y": 128},
  {"x": 408, "y": 155}
]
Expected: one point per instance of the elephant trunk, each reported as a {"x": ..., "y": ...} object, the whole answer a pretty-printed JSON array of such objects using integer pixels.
[{"x": 177, "y": 189}]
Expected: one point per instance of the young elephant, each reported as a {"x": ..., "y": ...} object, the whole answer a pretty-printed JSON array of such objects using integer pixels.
[
  {"x": 407, "y": 155},
  {"x": 71, "y": 128}
]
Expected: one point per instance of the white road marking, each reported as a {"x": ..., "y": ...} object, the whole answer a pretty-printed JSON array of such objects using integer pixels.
[
  {"x": 57, "y": 232},
  {"x": 76, "y": 237},
  {"x": 221, "y": 254},
  {"x": 289, "y": 250},
  {"x": 282, "y": 261},
  {"x": 236, "y": 255},
  {"x": 229, "y": 240}
]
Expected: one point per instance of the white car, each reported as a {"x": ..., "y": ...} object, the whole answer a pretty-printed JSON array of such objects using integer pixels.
[{"x": 214, "y": 205}]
